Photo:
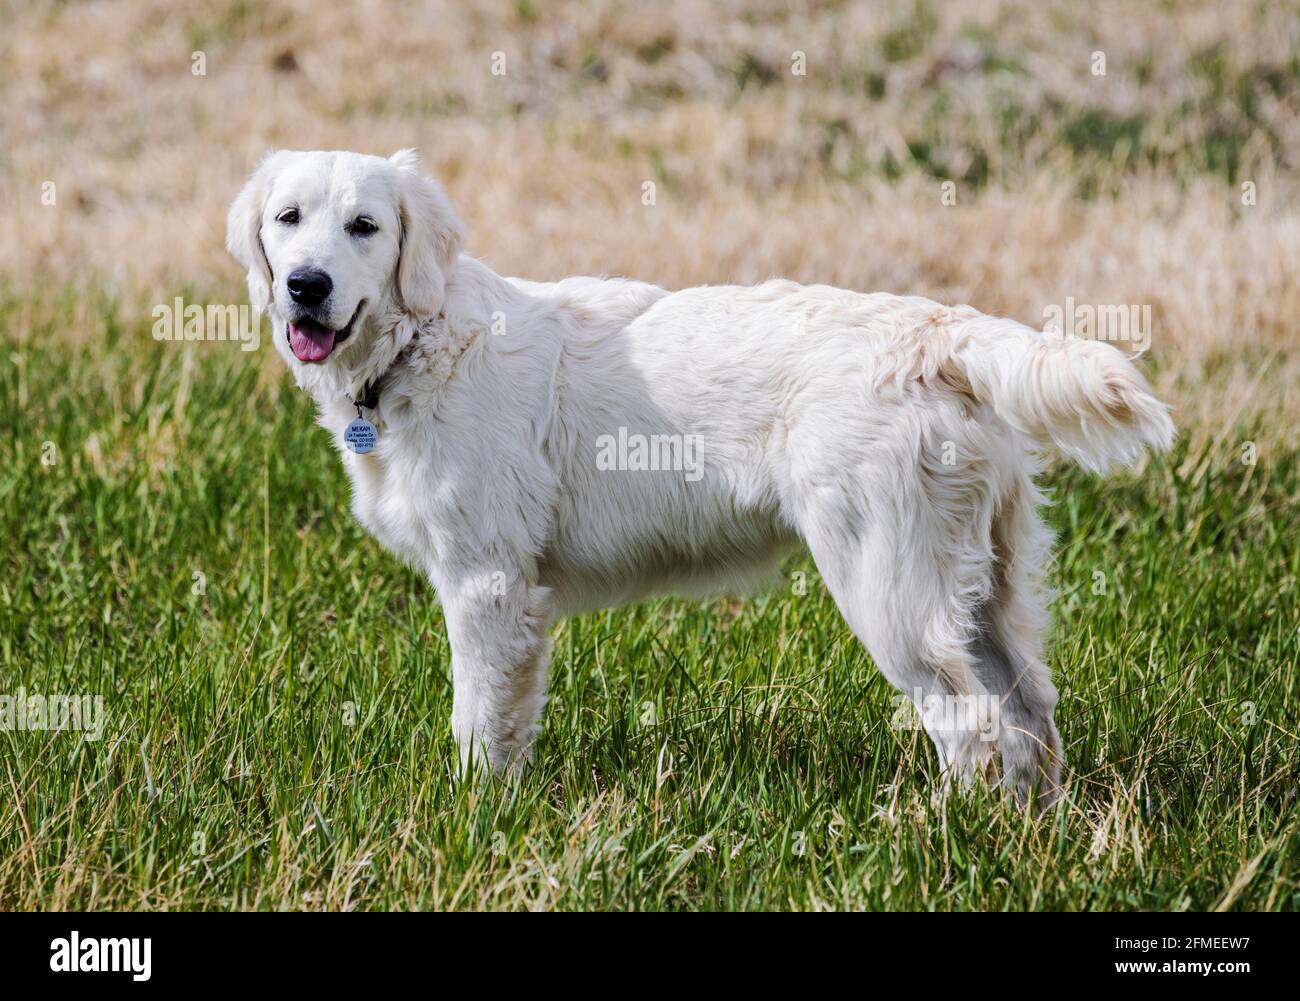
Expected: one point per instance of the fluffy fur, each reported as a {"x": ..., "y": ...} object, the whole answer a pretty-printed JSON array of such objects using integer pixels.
[{"x": 895, "y": 437}]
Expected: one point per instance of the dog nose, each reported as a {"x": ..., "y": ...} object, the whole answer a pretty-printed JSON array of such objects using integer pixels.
[{"x": 309, "y": 287}]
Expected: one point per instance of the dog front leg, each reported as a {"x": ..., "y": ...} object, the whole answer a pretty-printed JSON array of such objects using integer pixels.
[{"x": 498, "y": 625}]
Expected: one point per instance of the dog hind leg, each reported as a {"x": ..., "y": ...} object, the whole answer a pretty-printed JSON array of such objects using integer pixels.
[
  {"x": 901, "y": 601},
  {"x": 1008, "y": 650}
]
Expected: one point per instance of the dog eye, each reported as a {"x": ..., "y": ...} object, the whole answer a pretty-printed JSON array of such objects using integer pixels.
[
  {"x": 289, "y": 217},
  {"x": 362, "y": 226}
]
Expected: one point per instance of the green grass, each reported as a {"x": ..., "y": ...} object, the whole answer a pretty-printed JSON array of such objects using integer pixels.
[{"x": 694, "y": 755}]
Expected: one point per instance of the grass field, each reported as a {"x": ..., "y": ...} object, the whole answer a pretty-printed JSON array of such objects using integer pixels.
[
  {"x": 280, "y": 739},
  {"x": 275, "y": 687}
]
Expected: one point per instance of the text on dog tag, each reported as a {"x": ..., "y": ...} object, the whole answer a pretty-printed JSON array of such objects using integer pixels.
[{"x": 360, "y": 436}]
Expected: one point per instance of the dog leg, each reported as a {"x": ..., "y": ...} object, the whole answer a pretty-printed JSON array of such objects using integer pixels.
[
  {"x": 1008, "y": 651},
  {"x": 498, "y": 625},
  {"x": 903, "y": 615},
  {"x": 909, "y": 567},
  {"x": 1027, "y": 739}
]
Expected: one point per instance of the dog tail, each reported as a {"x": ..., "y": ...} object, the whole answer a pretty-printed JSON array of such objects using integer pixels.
[{"x": 1084, "y": 397}]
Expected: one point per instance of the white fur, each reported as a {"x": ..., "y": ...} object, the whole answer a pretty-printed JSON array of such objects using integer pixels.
[{"x": 896, "y": 437}]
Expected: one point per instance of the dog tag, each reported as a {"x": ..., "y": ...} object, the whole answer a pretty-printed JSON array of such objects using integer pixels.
[{"x": 360, "y": 436}]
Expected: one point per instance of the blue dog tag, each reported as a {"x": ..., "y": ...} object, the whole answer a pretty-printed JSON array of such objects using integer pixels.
[{"x": 360, "y": 436}]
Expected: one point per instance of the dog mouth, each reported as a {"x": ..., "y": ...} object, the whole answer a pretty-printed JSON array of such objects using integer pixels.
[{"x": 312, "y": 341}]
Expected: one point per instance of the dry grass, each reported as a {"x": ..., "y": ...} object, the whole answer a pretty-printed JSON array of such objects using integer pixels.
[{"x": 1116, "y": 189}]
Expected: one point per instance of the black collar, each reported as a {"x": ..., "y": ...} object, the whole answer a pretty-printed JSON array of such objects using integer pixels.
[
  {"x": 371, "y": 390},
  {"x": 370, "y": 394}
]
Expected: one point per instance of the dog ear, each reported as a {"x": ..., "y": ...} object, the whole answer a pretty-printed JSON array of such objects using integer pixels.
[
  {"x": 244, "y": 232},
  {"x": 432, "y": 235}
]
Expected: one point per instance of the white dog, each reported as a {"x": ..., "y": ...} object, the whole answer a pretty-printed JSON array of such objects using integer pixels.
[{"x": 548, "y": 448}]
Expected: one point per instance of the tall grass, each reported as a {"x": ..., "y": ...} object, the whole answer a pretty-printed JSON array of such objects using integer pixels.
[{"x": 277, "y": 694}]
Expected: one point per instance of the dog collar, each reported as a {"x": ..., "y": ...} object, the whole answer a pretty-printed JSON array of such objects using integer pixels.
[
  {"x": 361, "y": 435},
  {"x": 371, "y": 390},
  {"x": 369, "y": 395}
]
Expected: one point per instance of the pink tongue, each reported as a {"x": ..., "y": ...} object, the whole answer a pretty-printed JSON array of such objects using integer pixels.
[{"x": 312, "y": 343}]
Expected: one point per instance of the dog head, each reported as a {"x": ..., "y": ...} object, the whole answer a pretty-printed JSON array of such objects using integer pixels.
[{"x": 335, "y": 242}]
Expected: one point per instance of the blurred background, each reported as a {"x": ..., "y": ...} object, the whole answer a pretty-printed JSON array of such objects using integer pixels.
[{"x": 806, "y": 140}]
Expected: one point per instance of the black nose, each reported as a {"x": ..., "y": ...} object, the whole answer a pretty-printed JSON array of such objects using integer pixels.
[{"x": 309, "y": 287}]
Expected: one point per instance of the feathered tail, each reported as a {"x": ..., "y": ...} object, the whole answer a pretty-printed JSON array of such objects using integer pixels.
[{"x": 1084, "y": 397}]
